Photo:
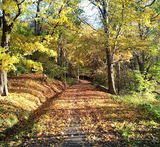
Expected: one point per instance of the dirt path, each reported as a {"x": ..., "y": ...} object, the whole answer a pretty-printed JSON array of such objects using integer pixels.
[
  {"x": 84, "y": 117},
  {"x": 77, "y": 100}
]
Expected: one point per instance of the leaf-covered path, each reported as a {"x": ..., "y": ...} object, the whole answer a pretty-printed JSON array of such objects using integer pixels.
[{"x": 84, "y": 116}]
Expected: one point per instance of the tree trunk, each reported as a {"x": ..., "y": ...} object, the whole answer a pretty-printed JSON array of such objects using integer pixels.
[
  {"x": 141, "y": 62},
  {"x": 65, "y": 74},
  {"x": 134, "y": 62},
  {"x": 109, "y": 53},
  {"x": 37, "y": 28},
  {"x": 119, "y": 77},
  {"x": 70, "y": 70},
  {"x": 60, "y": 53},
  {"x": 3, "y": 83},
  {"x": 111, "y": 84},
  {"x": 5, "y": 43},
  {"x": 60, "y": 56},
  {"x": 78, "y": 73}
]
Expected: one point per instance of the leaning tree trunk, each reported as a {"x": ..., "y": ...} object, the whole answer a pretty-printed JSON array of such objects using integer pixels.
[{"x": 110, "y": 60}]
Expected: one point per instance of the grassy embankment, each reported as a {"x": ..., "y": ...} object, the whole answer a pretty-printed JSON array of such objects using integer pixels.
[{"x": 27, "y": 93}]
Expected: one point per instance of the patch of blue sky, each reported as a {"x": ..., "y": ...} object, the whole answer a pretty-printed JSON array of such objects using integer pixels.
[{"x": 90, "y": 14}]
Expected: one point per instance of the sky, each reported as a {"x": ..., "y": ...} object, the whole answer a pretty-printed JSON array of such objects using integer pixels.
[{"x": 90, "y": 13}]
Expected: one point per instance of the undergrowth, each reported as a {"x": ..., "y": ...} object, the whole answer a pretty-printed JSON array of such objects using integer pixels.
[
  {"x": 147, "y": 102},
  {"x": 131, "y": 132}
]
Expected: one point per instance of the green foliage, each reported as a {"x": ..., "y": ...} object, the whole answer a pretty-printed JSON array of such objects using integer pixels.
[
  {"x": 143, "y": 84},
  {"x": 137, "y": 99},
  {"x": 20, "y": 69},
  {"x": 155, "y": 70},
  {"x": 100, "y": 79},
  {"x": 26, "y": 66},
  {"x": 151, "y": 108},
  {"x": 130, "y": 132},
  {"x": 53, "y": 70},
  {"x": 95, "y": 83},
  {"x": 24, "y": 29},
  {"x": 72, "y": 81},
  {"x": 50, "y": 67},
  {"x": 146, "y": 102},
  {"x": 126, "y": 128},
  {"x": 133, "y": 80}
]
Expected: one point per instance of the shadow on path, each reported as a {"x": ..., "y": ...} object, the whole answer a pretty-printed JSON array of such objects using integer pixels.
[{"x": 26, "y": 124}]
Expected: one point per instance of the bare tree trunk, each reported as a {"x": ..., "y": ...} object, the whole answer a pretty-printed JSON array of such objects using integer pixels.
[
  {"x": 111, "y": 84},
  {"x": 119, "y": 76},
  {"x": 109, "y": 53},
  {"x": 60, "y": 56},
  {"x": 60, "y": 52},
  {"x": 134, "y": 62},
  {"x": 3, "y": 83},
  {"x": 65, "y": 74}
]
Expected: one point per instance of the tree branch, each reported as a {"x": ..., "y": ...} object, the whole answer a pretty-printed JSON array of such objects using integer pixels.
[
  {"x": 1, "y": 19},
  {"x": 118, "y": 33},
  {"x": 146, "y": 33},
  {"x": 20, "y": 2},
  {"x": 85, "y": 22},
  {"x": 148, "y": 68},
  {"x": 150, "y": 4},
  {"x": 152, "y": 18},
  {"x": 59, "y": 12},
  {"x": 54, "y": 28},
  {"x": 99, "y": 8},
  {"x": 19, "y": 11},
  {"x": 156, "y": 92},
  {"x": 140, "y": 31}
]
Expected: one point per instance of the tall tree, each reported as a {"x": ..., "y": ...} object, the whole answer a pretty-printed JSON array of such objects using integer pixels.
[
  {"x": 116, "y": 20},
  {"x": 103, "y": 7},
  {"x": 145, "y": 21}
]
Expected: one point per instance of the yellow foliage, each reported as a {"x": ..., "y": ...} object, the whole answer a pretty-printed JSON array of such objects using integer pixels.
[
  {"x": 35, "y": 66},
  {"x": 6, "y": 61}
]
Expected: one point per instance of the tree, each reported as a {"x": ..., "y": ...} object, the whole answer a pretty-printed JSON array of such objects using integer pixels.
[
  {"x": 8, "y": 19},
  {"x": 146, "y": 19},
  {"x": 116, "y": 22},
  {"x": 55, "y": 15}
]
